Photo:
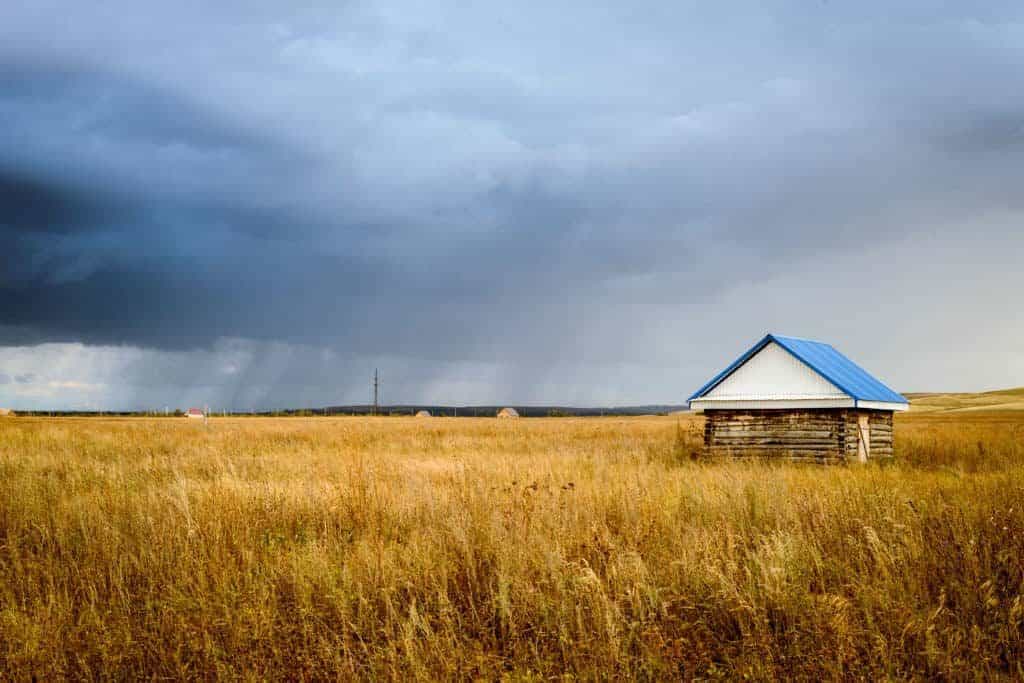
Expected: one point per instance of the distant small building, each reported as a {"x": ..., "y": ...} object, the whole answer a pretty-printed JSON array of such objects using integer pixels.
[
  {"x": 507, "y": 413},
  {"x": 195, "y": 413},
  {"x": 7, "y": 412},
  {"x": 797, "y": 399},
  {"x": 423, "y": 413}
]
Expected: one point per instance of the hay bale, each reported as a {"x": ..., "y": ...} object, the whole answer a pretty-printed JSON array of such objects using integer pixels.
[
  {"x": 7, "y": 412},
  {"x": 508, "y": 413},
  {"x": 423, "y": 413}
]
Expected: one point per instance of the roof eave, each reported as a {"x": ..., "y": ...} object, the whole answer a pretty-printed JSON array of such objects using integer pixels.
[{"x": 882, "y": 405}]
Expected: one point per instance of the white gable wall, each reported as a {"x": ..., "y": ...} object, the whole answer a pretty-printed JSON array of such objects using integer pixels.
[{"x": 774, "y": 374}]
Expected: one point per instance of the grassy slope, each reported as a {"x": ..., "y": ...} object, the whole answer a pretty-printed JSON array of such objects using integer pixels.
[
  {"x": 439, "y": 549},
  {"x": 1006, "y": 399}
]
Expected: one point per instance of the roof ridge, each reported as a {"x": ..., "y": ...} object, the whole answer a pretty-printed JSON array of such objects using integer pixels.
[
  {"x": 803, "y": 339},
  {"x": 815, "y": 366}
]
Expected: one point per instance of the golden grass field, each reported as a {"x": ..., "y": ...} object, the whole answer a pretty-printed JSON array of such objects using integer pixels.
[{"x": 592, "y": 548}]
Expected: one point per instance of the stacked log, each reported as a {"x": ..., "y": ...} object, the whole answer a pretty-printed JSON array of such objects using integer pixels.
[
  {"x": 821, "y": 435},
  {"x": 851, "y": 433},
  {"x": 792, "y": 434},
  {"x": 881, "y": 434}
]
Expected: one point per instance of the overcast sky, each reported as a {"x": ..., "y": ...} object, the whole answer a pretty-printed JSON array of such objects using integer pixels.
[{"x": 251, "y": 206}]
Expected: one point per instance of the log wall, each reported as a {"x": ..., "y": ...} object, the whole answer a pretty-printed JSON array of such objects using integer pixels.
[
  {"x": 881, "y": 433},
  {"x": 822, "y": 435}
]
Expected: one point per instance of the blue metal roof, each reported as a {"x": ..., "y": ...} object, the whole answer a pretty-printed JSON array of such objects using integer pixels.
[{"x": 823, "y": 359}]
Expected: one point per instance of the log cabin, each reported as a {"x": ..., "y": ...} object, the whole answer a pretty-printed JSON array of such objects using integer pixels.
[{"x": 800, "y": 400}]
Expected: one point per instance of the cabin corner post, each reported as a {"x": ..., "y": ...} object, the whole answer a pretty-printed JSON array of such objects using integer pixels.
[{"x": 868, "y": 435}]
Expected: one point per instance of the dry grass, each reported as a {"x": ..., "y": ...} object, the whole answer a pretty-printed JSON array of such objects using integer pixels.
[{"x": 402, "y": 548}]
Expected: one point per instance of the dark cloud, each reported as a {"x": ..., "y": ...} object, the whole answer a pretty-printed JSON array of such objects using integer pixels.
[
  {"x": 35, "y": 205},
  {"x": 518, "y": 191},
  {"x": 94, "y": 103}
]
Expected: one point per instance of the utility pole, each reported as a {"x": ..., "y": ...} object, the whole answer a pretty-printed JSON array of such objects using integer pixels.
[{"x": 376, "y": 390}]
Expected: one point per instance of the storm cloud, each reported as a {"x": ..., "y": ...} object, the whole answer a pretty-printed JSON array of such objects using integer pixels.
[{"x": 252, "y": 206}]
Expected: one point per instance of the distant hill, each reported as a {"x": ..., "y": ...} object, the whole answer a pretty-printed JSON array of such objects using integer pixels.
[
  {"x": 490, "y": 411},
  {"x": 1005, "y": 399}
]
